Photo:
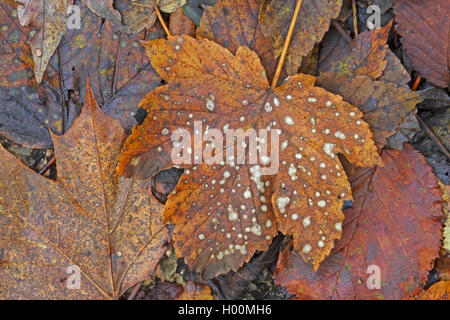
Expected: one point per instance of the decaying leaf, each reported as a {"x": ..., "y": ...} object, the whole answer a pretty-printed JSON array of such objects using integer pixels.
[
  {"x": 365, "y": 55},
  {"x": 27, "y": 108},
  {"x": 89, "y": 224},
  {"x": 47, "y": 18},
  {"x": 312, "y": 23},
  {"x": 224, "y": 212},
  {"x": 140, "y": 14},
  {"x": 121, "y": 73},
  {"x": 393, "y": 230},
  {"x": 195, "y": 291},
  {"x": 234, "y": 23},
  {"x": 104, "y": 9},
  {"x": 438, "y": 291},
  {"x": 181, "y": 24},
  {"x": 425, "y": 28},
  {"x": 384, "y": 105}
]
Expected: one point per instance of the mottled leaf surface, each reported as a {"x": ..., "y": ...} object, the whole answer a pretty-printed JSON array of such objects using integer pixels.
[
  {"x": 312, "y": 23},
  {"x": 395, "y": 224},
  {"x": 224, "y": 212},
  {"x": 234, "y": 23},
  {"x": 425, "y": 30},
  {"x": 89, "y": 220}
]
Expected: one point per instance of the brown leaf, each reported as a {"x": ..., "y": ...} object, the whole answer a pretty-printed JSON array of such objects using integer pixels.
[
  {"x": 424, "y": 27},
  {"x": 180, "y": 24},
  {"x": 395, "y": 224},
  {"x": 219, "y": 226},
  {"x": 195, "y": 291},
  {"x": 234, "y": 23},
  {"x": 384, "y": 105},
  {"x": 312, "y": 23},
  {"x": 438, "y": 291},
  {"x": 104, "y": 9},
  {"x": 89, "y": 220},
  {"x": 47, "y": 18},
  {"x": 364, "y": 55},
  {"x": 140, "y": 14}
]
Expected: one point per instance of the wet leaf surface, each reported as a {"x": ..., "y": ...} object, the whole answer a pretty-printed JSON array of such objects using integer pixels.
[
  {"x": 89, "y": 221},
  {"x": 395, "y": 224},
  {"x": 424, "y": 28},
  {"x": 312, "y": 23},
  {"x": 218, "y": 229}
]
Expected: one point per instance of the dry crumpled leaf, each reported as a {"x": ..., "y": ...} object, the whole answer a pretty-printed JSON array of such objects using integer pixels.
[
  {"x": 219, "y": 226},
  {"x": 424, "y": 27},
  {"x": 395, "y": 224},
  {"x": 438, "y": 291},
  {"x": 105, "y": 226},
  {"x": 384, "y": 105},
  {"x": 195, "y": 291},
  {"x": 48, "y": 20},
  {"x": 234, "y": 23},
  {"x": 312, "y": 23}
]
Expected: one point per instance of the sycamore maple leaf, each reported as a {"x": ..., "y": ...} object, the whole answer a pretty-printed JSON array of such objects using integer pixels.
[{"x": 224, "y": 212}]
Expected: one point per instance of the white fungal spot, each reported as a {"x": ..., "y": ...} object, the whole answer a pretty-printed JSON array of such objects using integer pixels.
[
  {"x": 288, "y": 120},
  {"x": 276, "y": 102},
  {"x": 322, "y": 203},
  {"x": 306, "y": 221},
  {"x": 328, "y": 148},
  {"x": 307, "y": 248},
  {"x": 338, "y": 226},
  {"x": 201, "y": 236},
  {"x": 282, "y": 202}
]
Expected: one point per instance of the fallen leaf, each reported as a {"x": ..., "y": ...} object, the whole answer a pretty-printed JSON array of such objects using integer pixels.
[
  {"x": 90, "y": 223},
  {"x": 424, "y": 27},
  {"x": 195, "y": 291},
  {"x": 121, "y": 73},
  {"x": 364, "y": 55},
  {"x": 47, "y": 18},
  {"x": 438, "y": 291},
  {"x": 234, "y": 23},
  {"x": 140, "y": 14},
  {"x": 312, "y": 23},
  {"x": 395, "y": 225},
  {"x": 216, "y": 232},
  {"x": 180, "y": 24},
  {"x": 384, "y": 105},
  {"x": 28, "y": 109},
  {"x": 104, "y": 9}
]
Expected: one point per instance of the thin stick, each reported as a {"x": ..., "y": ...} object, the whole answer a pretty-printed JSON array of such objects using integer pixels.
[
  {"x": 433, "y": 137},
  {"x": 47, "y": 166},
  {"x": 427, "y": 129},
  {"x": 160, "y": 18},
  {"x": 341, "y": 30},
  {"x": 286, "y": 44},
  {"x": 135, "y": 291},
  {"x": 355, "y": 17},
  {"x": 416, "y": 83}
]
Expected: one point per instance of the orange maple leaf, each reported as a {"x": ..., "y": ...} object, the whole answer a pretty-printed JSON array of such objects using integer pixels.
[{"x": 224, "y": 212}]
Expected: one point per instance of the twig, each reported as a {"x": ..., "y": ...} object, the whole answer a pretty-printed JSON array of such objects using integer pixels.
[
  {"x": 355, "y": 17},
  {"x": 286, "y": 44},
  {"x": 135, "y": 291},
  {"x": 427, "y": 129},
  {"x": 416, "y": 83},
  {"x": 161, "y": 20},
  {"x": 341, "y": 30},
  {"x": 47, "y": 166},
  {"x": 433, "y": 137}
]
